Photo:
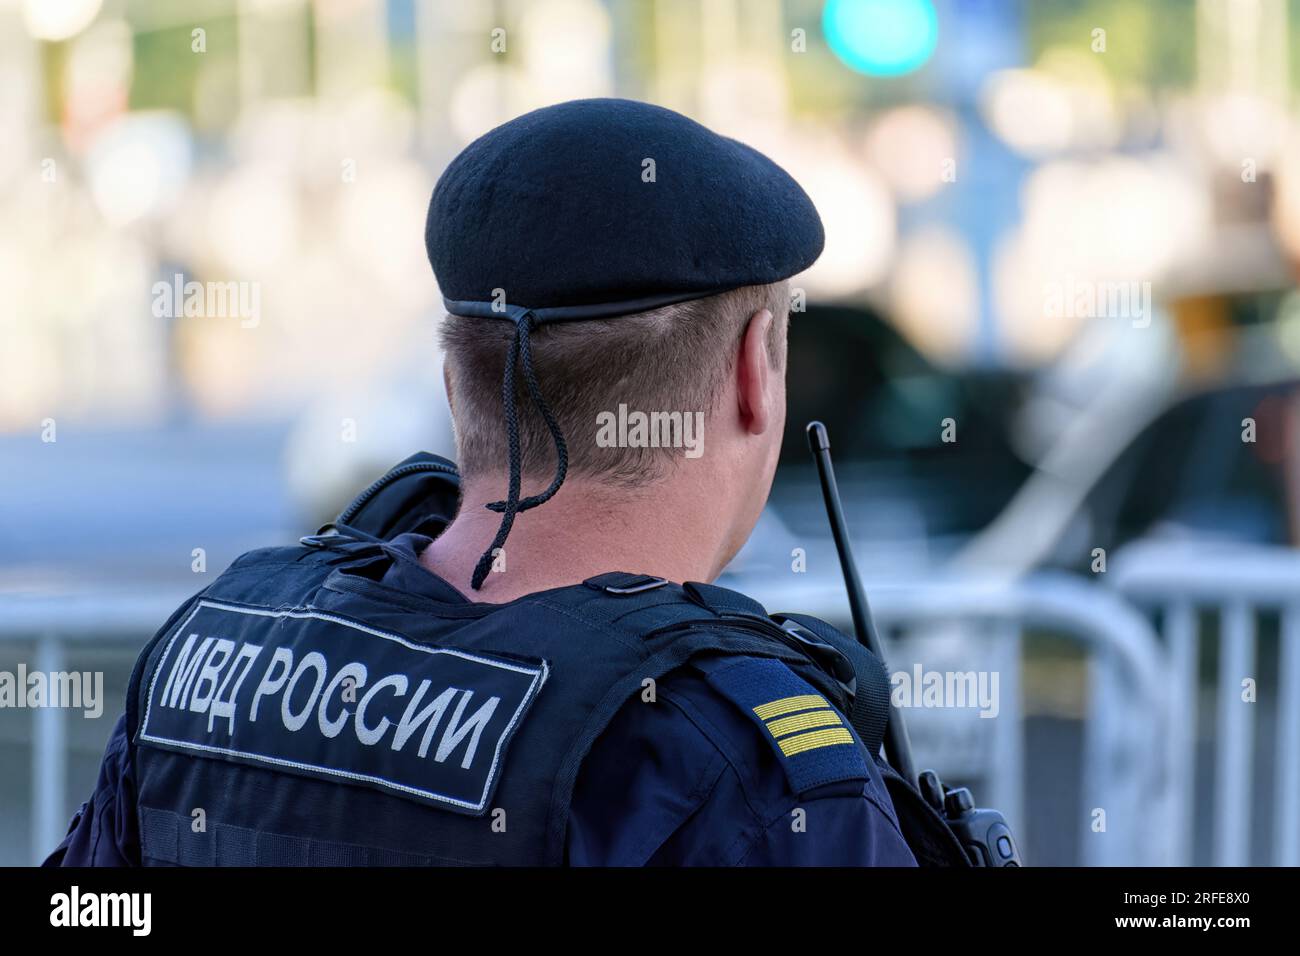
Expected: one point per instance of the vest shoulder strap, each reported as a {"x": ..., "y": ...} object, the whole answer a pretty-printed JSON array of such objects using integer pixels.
[
  {"x": 854, "y": 678},
  {"x": 869, "y": 712}
]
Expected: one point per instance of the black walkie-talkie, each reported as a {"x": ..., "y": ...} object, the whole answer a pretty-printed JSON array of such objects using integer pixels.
[{"x": 983, "y": 833}]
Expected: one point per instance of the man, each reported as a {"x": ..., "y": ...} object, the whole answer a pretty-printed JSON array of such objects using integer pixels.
[{"x": 537, "y": 681}]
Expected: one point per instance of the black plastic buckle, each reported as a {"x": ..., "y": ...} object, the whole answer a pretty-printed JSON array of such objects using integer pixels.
[
  {"x": 826, "y": 656},
  {"x": 637, "y": 585}
]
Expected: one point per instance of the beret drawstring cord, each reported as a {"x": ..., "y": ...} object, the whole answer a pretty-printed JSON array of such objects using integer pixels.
[{"x": 520, "y": 350}]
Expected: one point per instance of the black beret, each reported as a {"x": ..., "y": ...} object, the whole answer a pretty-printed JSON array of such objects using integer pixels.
[{"x": 553, "y": 209}]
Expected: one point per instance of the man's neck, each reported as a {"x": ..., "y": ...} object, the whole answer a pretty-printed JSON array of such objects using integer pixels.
[{"x": 585, "y": 530}]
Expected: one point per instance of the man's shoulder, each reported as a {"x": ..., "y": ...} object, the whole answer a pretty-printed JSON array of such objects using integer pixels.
[
  {"x": 752, "y": 717},
  {"x": 709, "y": 759},
  {"x": 749, "y": 715},
  {"x": 781, "y": 736}
]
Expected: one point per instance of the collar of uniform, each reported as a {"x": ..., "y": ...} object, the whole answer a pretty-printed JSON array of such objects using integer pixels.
[{"x": 406, "y": 573}]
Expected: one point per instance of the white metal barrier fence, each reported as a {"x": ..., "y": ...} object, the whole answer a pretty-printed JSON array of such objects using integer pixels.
[
  {"x": 1128, "y": 715},
  {"x": 56, "y": 627},
  {"x": 1138, "y": 743},
  {"x": 1235, "y": 585}
]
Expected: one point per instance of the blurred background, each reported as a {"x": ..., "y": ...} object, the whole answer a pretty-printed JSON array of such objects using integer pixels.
[{"x": 1055, "y": 336}]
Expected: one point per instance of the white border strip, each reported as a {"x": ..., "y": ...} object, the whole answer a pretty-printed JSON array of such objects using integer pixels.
[{"x": 539, "y": 678}]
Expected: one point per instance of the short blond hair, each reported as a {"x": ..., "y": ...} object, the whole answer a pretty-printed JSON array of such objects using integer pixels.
[{"x": 674, "y": 358}]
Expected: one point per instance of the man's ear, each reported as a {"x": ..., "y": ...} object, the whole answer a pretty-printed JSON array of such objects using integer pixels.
[
  {"x": 754, "y": 375},
  {"x": 446, "y": 384}
]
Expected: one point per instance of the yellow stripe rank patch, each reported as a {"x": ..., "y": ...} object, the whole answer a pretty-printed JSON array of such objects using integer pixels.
[
  {"x": 807, "y": 721},
  {"x": 814, "y": 739},
  {"x": 808, "y": 735},
  {"x": 788, "y": 705}
]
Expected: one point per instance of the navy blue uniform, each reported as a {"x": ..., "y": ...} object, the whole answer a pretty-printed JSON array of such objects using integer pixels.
[{"x": 696, "y": 777}]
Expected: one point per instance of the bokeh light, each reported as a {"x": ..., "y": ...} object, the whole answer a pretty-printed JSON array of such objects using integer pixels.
[
  {"x": 59, "y": 19},
  {"x": 910, "y": 146},
  {"x": 881, "y": 37}
]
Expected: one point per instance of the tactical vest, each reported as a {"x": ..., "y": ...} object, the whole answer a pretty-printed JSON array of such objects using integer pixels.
[{"x": 298, "y": 711}]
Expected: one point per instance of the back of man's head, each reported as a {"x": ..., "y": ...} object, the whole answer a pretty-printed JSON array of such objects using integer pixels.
[
  {"x": 660, "y": 365},
  {"x": 615, "y": 275}
]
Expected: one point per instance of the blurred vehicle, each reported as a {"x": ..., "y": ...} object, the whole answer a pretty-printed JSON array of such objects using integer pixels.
[
  {"x": 1193, "y": 474},
  {"x": 911, "y": 496}
]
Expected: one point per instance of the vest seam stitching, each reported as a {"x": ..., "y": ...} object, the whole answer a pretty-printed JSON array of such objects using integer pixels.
[
  {"x": 693, "y": 714},
  {"x": 600, "y": 628}
]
